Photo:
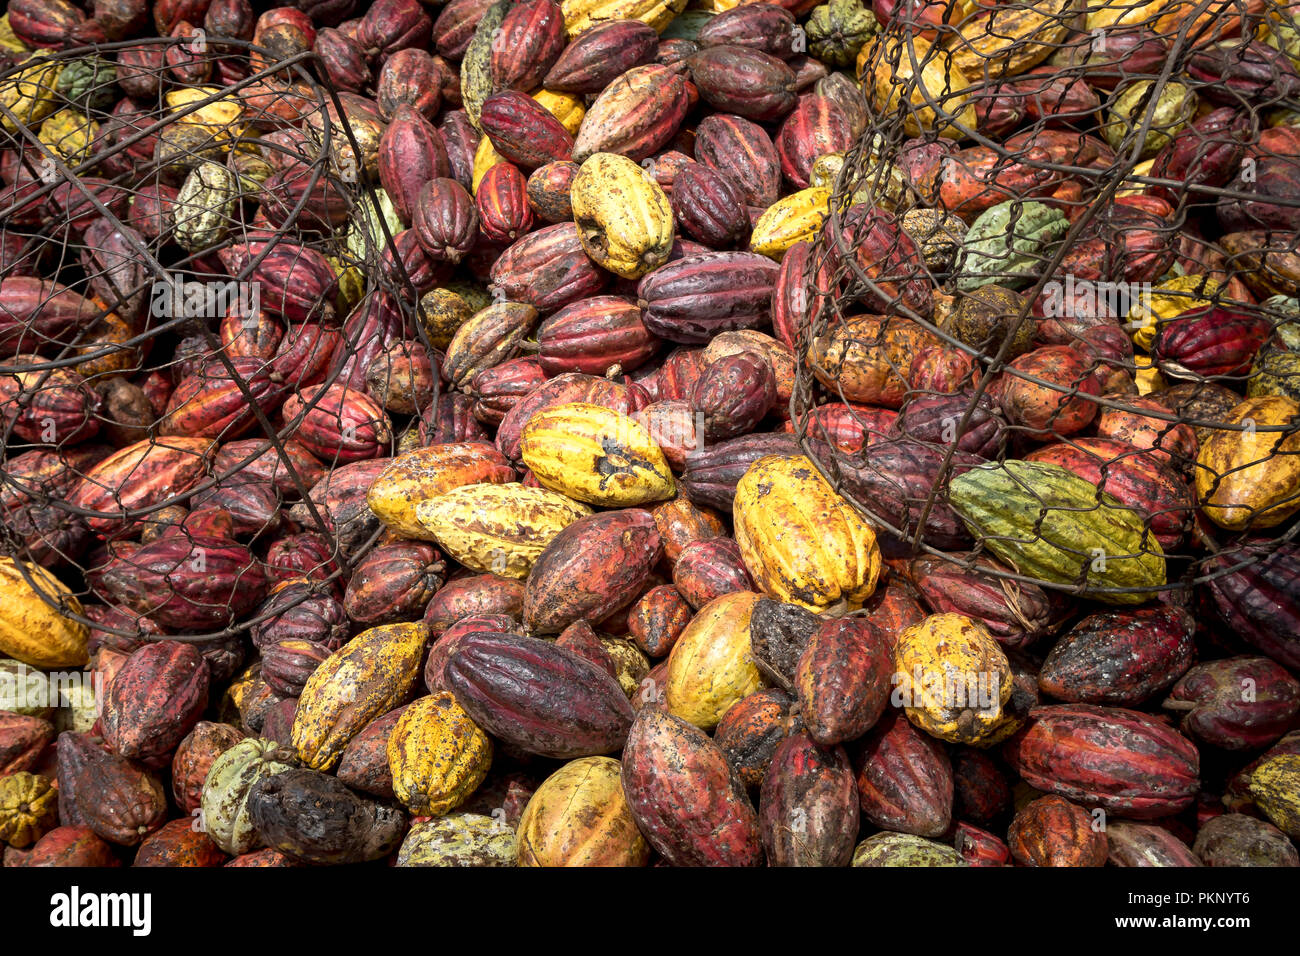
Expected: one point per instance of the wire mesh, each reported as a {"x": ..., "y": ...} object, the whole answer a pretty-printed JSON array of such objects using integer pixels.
[
  {"x": 1067, "y": 235},
  {"x": 197, "y": 278}
]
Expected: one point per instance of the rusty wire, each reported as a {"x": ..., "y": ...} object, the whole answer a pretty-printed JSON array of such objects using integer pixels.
[
  {"x": 107, "y": 179},
  {"x": 951, "y": 132}
]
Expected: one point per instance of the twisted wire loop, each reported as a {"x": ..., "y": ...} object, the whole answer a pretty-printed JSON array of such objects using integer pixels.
[
  {"x": 129, "y": 297},
  {"x": 1059, "y": 173}
]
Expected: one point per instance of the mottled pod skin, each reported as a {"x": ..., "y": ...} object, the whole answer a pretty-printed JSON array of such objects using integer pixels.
[
  {"x": 905, "y": 779},
  {"x": 684, "y": 796},
  {"x": 1052, "y": 831},
  {"x": 580, "y": 817},
  {"x": 437, "y": 755},
  {"x": 807, "y": 806},
  {"x": 843, "y": 680}
]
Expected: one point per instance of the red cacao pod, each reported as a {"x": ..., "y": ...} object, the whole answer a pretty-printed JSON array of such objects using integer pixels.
[
  {"x": 600, "y": 55},
  {"x": 1052, "y": 831},
  {"x": 154, "y": 700},
  {"x": 504, "y": 213},
  {"x": 807, "y": 806},
  {"x": 843, "y": 680},
  {"x": 594, "y": 335},
  {"x": 1120, "y": 658},
  {"x": 592, "y": 568},
  {"x": 1122, "y": 761},
  {"x": 904, "y": 779},
  {"x": 538, "y": 697},
  {"x": 669, "y": 765}
]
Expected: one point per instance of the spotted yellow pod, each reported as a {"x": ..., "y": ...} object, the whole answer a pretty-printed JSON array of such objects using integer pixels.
[
  {"x": 30, "y": 95},
  {"x": 893, "y": 67},
  {"x": 1250, "y": 477},
  {"x": 498, "y": 529},
  {"x": 579, "y": 817},
  {"x": 364, "y": 679},
  {"x": 952, "y": 677},
  {"x": 1166, "y": 301},
  {"x": 69, "y": 134},
  {"x": 31, "y": 630},
  {"x": 222, "y": 117},
  {"x": 623, "y": 217},
  {"x": 802, "y": 542},
  {"x": 711, "y": 666},
  {"x": 595, "y": 455},
  {"x": 425, "y": 473},
  {"x": 29, "y": 805},
  {"x": 1275, "y": 785},
  {"x": 565, "y": 107},
  {"x": 580, "y": 15},
  {"x": 448, "y": 307},
  {"x": 796, "y": 218},
  {"x": 437, "y": 755}
]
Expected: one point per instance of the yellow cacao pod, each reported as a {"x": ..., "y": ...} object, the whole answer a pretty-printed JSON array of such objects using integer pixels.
[
  {"x": 448, "y": 307},
  {"x": 885, "y": 66},
  {"x": 1008, "y": 40},
  {"x": 364, "y": 679},
  {"x": 30, "y": 95},
  {"x": 1275, "y": 785},
  {"x": 580, "y": 15},
  {"x": 623, "y": 217},
  {"x": 29, "y": 807},
  {"x": 70, "y": 134},
  {"x": 30, "y": 630},
  {"x": 565, "y": 107},
  {"x": 579, "y": 817},
  {"x": 498, "y": 529},
  {"x": 426, "y": 473},
  {"x": 711, "y": 667},
  {"x": 1251, "y": 478},
  {"x": 796, "y": 218},
  {"x": 952, "y": 678},
  {"x": 596, "y": 455},
  {"x": 9, "y": 40},
  {"x": 630, "y": 664},
  {"x": 485, "y": 157},
  {"x": 803, "y": 543},
  {"x": 1166, "y": 301},
  {"x": 437, "y": 754},
  {"x": 222, "y": 118}
]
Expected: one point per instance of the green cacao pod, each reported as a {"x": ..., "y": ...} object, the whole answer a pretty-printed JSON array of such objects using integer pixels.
[
  {"x": 205, "y": 206},
  {"x": 1057, "y": 527},
  {"x": 223, "y": 808},
  {"x": 1277, "y": 364},
  {"x": 89, "y": 82},
  {"x": 904, "y": 849},
  {"x": 838, "y": 30},
  {"x": 1008, "y": 244},
  {"x": 459, "y": 839}
]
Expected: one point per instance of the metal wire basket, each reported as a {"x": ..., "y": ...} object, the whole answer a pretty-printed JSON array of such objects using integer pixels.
[
  {"x": 1044, "y": 200},
  {"x": 128, "y": 286}
]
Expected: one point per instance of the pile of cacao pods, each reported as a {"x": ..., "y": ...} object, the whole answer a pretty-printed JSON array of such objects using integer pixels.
[{"x": 654, "y": 442}]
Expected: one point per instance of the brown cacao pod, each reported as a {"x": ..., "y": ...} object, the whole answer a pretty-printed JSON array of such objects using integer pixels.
[
  {"x": 394, "y": 582},
  {"x": 538, "y": 697},
  {"x": 806, "y": 809},
  {"x": 194, "y": 757},
  {"x": 547, "y": 269},
  {"x": 1052, "y": 831},
  {"x": 746, "y": 82}
]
